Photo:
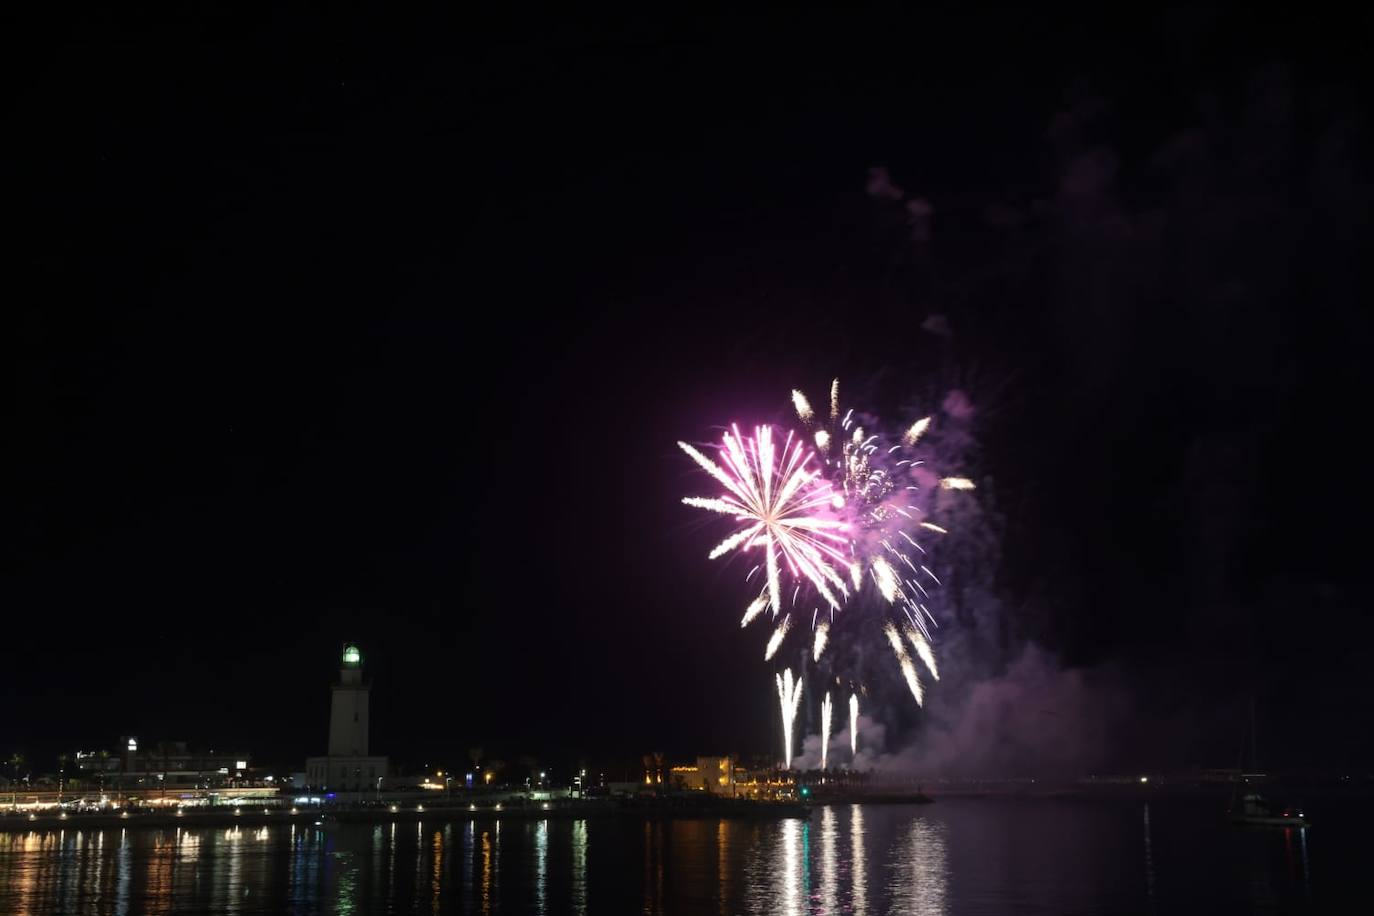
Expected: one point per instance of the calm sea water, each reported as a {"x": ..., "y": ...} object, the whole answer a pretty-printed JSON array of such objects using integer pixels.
[{"x": 956, "y": 856}]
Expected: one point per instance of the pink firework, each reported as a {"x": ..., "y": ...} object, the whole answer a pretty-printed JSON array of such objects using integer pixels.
[
  {"x": 832, "y": 518},
  {"x": 781, "y": 504}
]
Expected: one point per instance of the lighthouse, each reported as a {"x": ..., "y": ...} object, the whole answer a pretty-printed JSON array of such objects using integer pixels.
[
  {"x": 348, "y": 765},
  {"x": 348, "y": 712}
]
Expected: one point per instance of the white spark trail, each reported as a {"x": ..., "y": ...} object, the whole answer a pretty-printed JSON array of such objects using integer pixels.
[
  {"x": 775, "y": 641},
  {"x": 924, "y": 651},
  {"x": 853, "y": 725},
  {"x": 734, "y": 541},
  {"x": 886, "y": 579},
  {"x": 822, "y": 637},
  {"x": 918, "y": 429},
  {"x": 774, "y": 583},
  {"x": 756, "y": 607},
  {"x": 789, "y": 700},
  {"x": 708, "y": 466},
  {"x": 827, "y": 710},
  {"x": 913, "y": 680},
  {"x": 723, "y": 506}
]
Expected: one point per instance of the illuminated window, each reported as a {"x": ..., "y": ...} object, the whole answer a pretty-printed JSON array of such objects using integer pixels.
[{"x": 351, "y": 655}]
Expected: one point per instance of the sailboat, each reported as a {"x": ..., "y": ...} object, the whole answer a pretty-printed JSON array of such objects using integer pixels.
[{"x": 1250, "y": 809}]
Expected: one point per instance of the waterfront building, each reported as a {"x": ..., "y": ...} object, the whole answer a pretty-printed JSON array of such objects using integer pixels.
[
  {"x": 710, "y": 774},
  {"x": 162, "y": 765}
]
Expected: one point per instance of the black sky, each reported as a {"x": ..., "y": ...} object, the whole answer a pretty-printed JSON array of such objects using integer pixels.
[{"x": 331, "y": 327}]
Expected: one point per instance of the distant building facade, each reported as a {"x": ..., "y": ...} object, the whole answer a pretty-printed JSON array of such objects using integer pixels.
[
  {"x": 163, "y": 765},
  {"x": 348, "y": 766},
  {"x": 710, "y": 774}
]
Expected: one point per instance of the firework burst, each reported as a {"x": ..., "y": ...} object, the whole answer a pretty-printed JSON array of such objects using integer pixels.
[
  {"x": 877, "y": 491},
  {"x": 831, "y": 512},
  {"x": 882, "y": 492},
  {"x": 776, "y": 498}
]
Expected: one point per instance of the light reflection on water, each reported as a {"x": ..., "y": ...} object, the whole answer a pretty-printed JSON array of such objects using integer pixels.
[
  {"x": 723, "y": 873},
  {"x": 858, "y": 869},
  {"x": 123, "y": 857},
  {"x": 828, "y": 878},
  {"x": 919, "y": 870},
  {"x": 952, "y": 857},
  {"x": 792, "y": 878},
  {"x": 579, "y": 855},
  {"x": 541, "y": 865}
]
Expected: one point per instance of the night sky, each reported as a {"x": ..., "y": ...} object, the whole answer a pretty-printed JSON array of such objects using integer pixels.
[{"x": 342, "y": 328}]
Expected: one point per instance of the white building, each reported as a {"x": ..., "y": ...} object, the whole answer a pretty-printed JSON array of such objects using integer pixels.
[{"x": 348, "y": 767}]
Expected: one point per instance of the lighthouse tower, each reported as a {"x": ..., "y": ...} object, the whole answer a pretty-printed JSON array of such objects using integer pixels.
[
  {"x": 348, "y": 766},
  {"x": 348, "y": 713}
]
